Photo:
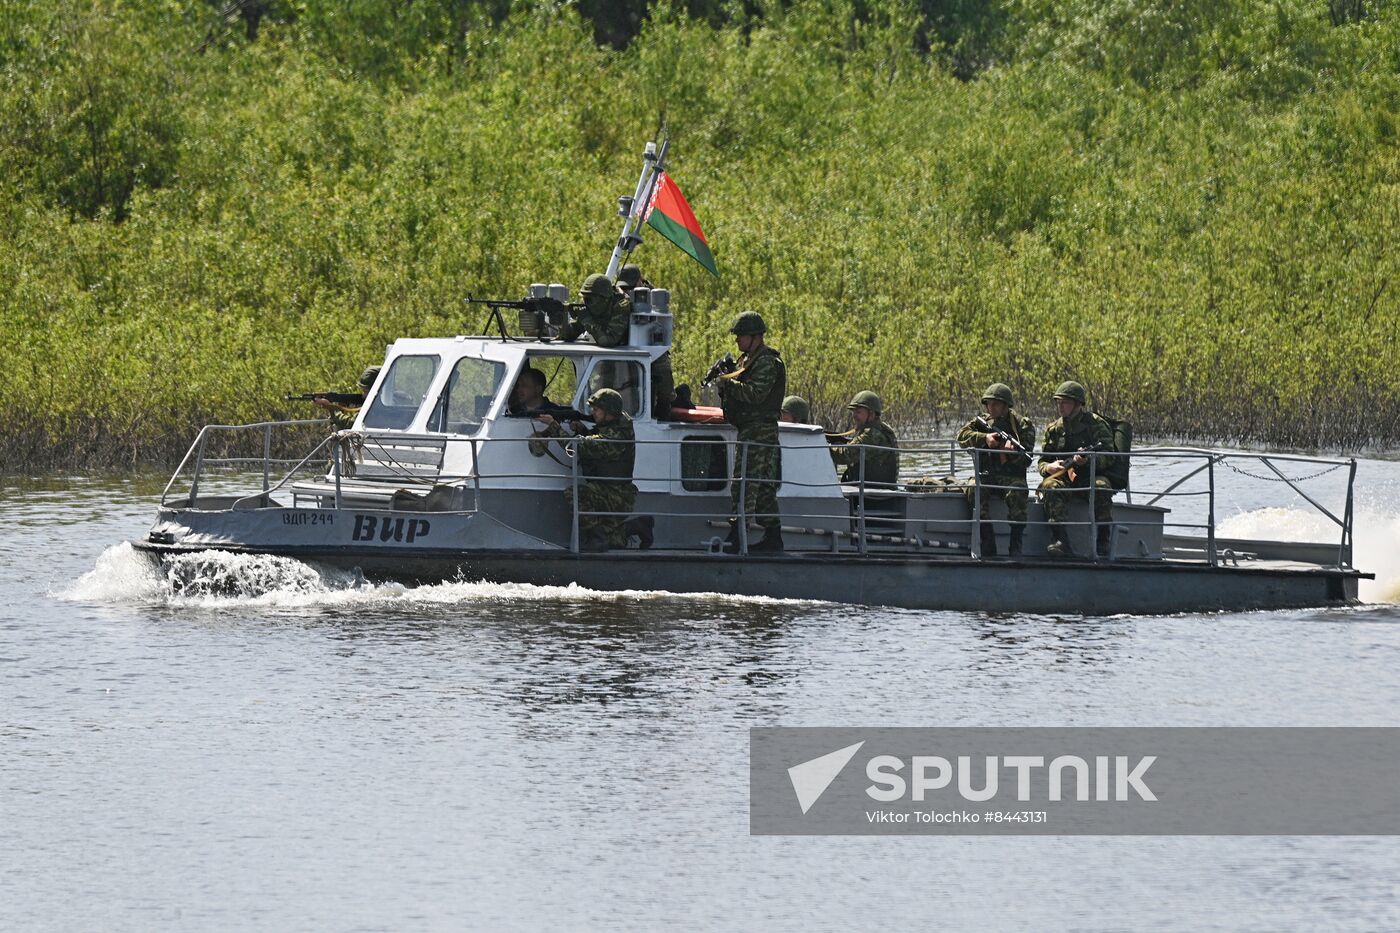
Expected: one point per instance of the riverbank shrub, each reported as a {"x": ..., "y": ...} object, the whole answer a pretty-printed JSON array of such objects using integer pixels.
[{"x": 1187, "y": 207}]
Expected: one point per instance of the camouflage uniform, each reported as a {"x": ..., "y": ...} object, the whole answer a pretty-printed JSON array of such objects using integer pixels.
[
  {"x": 343, "y": 419},
  {"x": 1002, "y": 467},
  {"x": 752, "y": 402},
  {"x": 605, "y": 477},
  {"x": 881, "y": 466},
  {"x": 1062, "y": 438},
  {"x": 606, "y": 314}
]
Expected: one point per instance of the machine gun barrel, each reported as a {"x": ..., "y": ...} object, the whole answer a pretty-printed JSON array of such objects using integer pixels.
[{"x": 558, "y": 413}]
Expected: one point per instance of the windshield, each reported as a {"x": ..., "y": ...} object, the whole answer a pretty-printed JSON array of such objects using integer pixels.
[
  {"x": 467, "y": 397},
  {"x": 402, "y": 392}
]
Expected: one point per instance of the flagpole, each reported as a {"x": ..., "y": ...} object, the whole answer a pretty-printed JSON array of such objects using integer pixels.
[{"x": 652, "y": 164}]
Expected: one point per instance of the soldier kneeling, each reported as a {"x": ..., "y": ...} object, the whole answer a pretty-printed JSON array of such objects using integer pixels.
[{"x": 607, "y": 454}]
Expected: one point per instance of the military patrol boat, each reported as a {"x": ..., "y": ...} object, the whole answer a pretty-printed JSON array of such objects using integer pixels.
[{"x": 439, "y": 479}]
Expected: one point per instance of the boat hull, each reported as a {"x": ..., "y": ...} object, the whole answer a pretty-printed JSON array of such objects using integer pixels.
[{"x": 915, "y": 582}]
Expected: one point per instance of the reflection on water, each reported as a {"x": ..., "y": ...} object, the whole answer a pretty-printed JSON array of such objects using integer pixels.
[{"x": 258, "y": 742}]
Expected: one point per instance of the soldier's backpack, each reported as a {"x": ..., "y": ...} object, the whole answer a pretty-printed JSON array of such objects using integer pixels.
[{"x": 1116, "y": 469}]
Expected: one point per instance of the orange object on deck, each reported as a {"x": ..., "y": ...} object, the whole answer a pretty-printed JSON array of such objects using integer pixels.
[{"x": 700, "y": 414}]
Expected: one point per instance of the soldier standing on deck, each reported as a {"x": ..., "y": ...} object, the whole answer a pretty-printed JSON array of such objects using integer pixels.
[
  {"x": 1075, "y": 432},
  {"x": 752, "y": 397},
  {"x": 343, "y": 416},
  {"x": 1003, "y": 440}
]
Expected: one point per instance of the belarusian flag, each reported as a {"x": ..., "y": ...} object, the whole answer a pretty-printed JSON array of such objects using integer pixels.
[{"x": 670, "y": 215}]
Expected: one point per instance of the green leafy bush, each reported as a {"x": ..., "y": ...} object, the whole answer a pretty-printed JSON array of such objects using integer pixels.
[{"x": 1188, "y": 207}]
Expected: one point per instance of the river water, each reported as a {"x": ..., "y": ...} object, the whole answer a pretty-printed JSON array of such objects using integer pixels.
[{"x": 314, "y": 755}]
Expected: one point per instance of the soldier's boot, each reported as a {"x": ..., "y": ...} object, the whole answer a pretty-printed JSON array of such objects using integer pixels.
[
  {"x": 1059, "y": 546},
  {"x": 642, "y": 526},
  {"x": 1018, "y": 532},
  {"x": 731, "y": 543},
  {"x": 989, "y": 541},
  {"x": 772, "y": 541},
  {"x": 593, "y": 540},
  {"x": 1104, "y": 542}
]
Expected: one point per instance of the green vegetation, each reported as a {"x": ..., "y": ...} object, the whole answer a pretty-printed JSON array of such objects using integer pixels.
[{"x": 1188, "y": 206}]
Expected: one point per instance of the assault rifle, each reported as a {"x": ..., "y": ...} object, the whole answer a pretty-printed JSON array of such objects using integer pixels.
[
  {"x": 557, "y": 412},
  {"x": 1006, "y": 439},
  {"x": 723, "y": 367},
  {"x": 1068, "y": 469},
  {"x": 350, "y": 399}
]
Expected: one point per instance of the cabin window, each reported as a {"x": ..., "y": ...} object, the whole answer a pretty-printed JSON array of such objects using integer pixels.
[
  {"x": 556, "y": 373},
  {"x": 467, "y": 397},
  {"x": 401, "y": 392},
  {"x": 704, "y": 463},
  {"x": 623, "y": 375}
]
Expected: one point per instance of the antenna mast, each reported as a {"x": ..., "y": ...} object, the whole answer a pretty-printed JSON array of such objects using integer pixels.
[{"x": 631, "y": 209}]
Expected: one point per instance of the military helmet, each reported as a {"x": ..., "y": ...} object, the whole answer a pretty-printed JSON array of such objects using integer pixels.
[
  {"x": 797, "y": 406},
  {"x": 867, "y": 399},
  {"x": 368, "y": 376},
  {"x": 596, "y": 284},
  {"x": 1072, "y": 390},
  {"x": 607, "y": 399},
  {"x": 999, "y": 392},
  {"x": 630, "y": 275},
  {"x": 748, "y": 324}
]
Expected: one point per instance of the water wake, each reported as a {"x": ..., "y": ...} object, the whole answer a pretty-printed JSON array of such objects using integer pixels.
[
  {"x": 217, "y": 579},
  {"x": 1376, "y": 548}
]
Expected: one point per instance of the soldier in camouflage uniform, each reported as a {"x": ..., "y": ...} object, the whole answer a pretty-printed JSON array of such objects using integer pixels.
[
  {"x": 874, "y": 437},
  {"x": 606, "y": 314},
  {"x": 1076, "y": 430},
  {"x": 752, "y": 398},
  {"x": 606, "y": 455},
  {"x": 342, "y": 417},
  {"x": 796, "y": 410},
  {"x": 1000, "y": 464}
]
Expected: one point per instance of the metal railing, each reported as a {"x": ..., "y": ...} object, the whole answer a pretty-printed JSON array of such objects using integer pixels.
[{"x": 869, "y": 524}]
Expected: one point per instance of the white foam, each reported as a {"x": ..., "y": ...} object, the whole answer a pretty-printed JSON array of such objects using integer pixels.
[
  {"x": 120, "y": 576},
  {"x": 220, "y": 579},
  {"x": 1376, "y": 548}
]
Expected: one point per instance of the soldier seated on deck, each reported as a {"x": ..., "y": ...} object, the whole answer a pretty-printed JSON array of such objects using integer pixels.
[
  {"x": 795, "y": 411},
  {"x": 870, "y": 452},
  {"x": 1064, "y": 463},
  {"x": 1001, "y": 441}
]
